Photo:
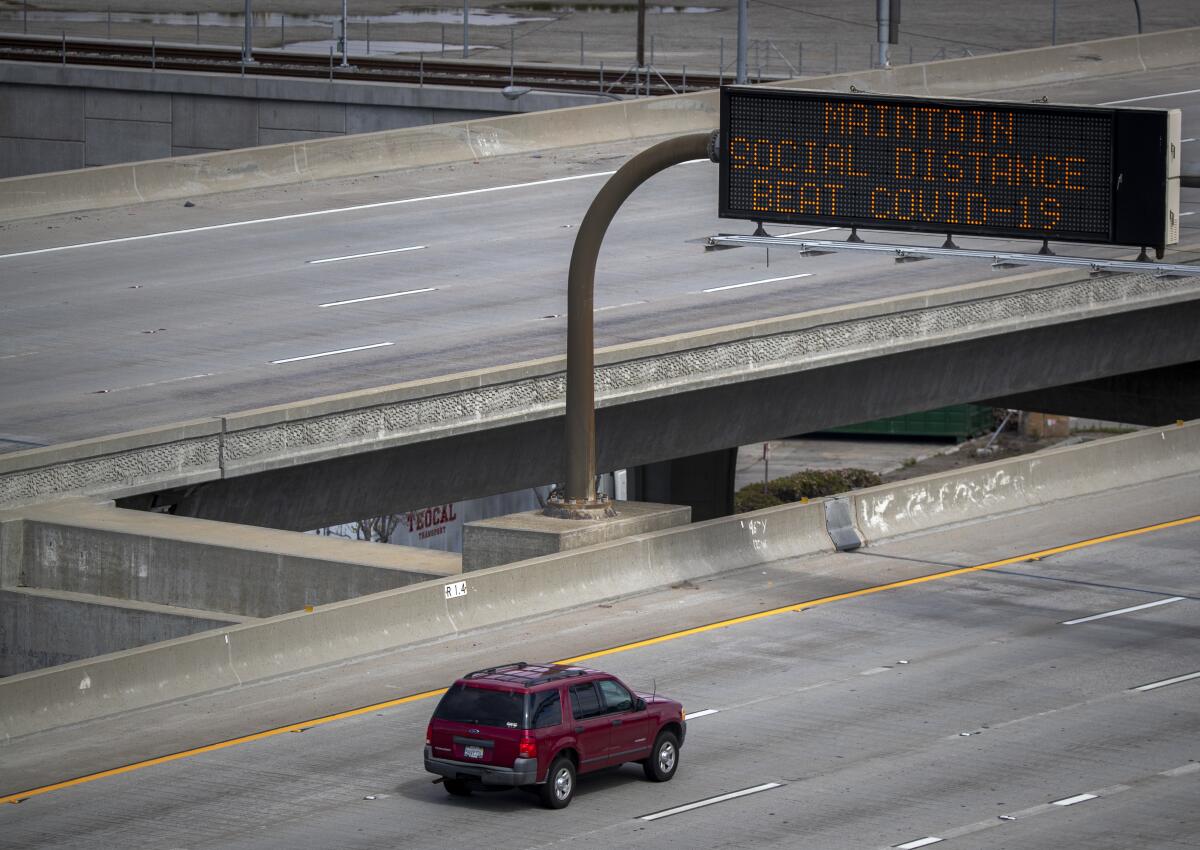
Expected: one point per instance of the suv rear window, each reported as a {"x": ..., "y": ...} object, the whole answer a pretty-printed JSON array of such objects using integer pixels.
[{"x": 482, "y": 706}]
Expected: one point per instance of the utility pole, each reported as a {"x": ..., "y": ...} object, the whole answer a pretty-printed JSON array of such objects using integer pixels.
[
  {"x": 882, "y": 21},
  {"x": 641, "y": 34},
  {"x": 248, "y": 36},
  {"x": 741, "y": 43},
  {"x": 345, "y": 37},
  {"x": 466, "y": 17}
]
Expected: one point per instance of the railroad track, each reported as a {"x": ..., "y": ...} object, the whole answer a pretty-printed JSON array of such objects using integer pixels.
[{"x": 173, "y": 57}]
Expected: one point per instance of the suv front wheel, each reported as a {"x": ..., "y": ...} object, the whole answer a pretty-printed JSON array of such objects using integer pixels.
[
  {"x": 559, "y": 787},
  {"x": 664, "y": 758}
]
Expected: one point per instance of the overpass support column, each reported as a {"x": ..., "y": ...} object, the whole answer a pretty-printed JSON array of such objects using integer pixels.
[
  {"x": 580, "y": 498},
  {"x": 703, "y": 482}
]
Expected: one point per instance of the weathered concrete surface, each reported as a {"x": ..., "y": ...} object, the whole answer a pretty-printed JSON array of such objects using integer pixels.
[
  {"x": 408, "y": 616},
  {"x": 471, "y": 140},
  {"x": 518, "y": 537},
  {"x": 422, "y": 612},
  {"x": 44, "y": 628},
  {"x": 100, "y": 550},
  {"x": 73, "y": 117},
  {"x": 372, "y": 452},
  {"x": 894, "y": 510},
  {"x": 172, "y": 456}
]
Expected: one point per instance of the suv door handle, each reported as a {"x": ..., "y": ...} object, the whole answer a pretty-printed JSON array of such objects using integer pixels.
[
  {"x": 616, "y": 723},
  {"x": 578, "y": 730}
]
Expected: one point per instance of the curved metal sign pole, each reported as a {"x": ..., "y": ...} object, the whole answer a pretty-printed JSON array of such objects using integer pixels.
[{"x": 580, "y": 501}]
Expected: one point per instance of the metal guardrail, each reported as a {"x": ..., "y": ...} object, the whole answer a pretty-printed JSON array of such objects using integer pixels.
[
  {"x": 999, "y": 259},
  {"x": 420, "y": 71}
]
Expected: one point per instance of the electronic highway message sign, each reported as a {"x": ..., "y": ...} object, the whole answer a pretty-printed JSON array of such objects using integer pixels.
[{"x": 1066, "y": 173}]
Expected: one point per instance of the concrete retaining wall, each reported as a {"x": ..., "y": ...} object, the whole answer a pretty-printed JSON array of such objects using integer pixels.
[
  {"x": 471, "y": 140},
  {"x": 227, "y": 657},
  {"x": 981, "y": 491},
  {"x": 40, "y": 629},
  {"x": 220, "y": 567},
  {"x": 62, "y": 117}
]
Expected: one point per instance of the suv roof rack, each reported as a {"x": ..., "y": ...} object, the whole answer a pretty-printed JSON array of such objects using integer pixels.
[
  {"x": 524, "y": 673},
  {"x": 487, "y": 671}
]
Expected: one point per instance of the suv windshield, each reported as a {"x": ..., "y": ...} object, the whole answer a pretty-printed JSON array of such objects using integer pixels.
[{"x": 483, "y": 707}]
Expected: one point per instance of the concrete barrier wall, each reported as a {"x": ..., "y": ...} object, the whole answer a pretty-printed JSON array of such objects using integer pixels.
[
  {"x": 117, "y": 185},
  {"x": 978, "y": 492},
  {"x": 225, "y": 658},
  {"x": 213, "y": 566},
  {"x": 60, "y": 117},
  {"x": 40, "y": 629}
]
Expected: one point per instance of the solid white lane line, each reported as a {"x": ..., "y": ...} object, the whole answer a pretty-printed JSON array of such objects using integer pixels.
[
  {"x": 1149, "y": 97},
  {"x": 920, "y": 842},
  {"x": 1187, "y": 140},
  {"x": 874, "y": 670},
  {"x": 331, "y": 353},
  {"x": 666, "y": 813},
  {"x": 1193, "y": 212},
  {"x": 692, "y": 715},
  {"x": 368, "y": 254},
  {"x": 1154, "y": 604},
  {"x": 379, "y": 297},
  {"x": 1078, "y": 798},
  {"x": 311, "y": 214},
  {"x": 1166, "y": 682},
  {"x": 756, "y": 282}
]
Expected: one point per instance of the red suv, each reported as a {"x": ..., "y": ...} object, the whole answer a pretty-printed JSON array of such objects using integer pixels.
[{"x": 537, "y": 726}]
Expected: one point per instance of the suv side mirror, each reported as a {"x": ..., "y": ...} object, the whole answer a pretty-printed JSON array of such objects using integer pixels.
[{"x": 639, "y": 704}]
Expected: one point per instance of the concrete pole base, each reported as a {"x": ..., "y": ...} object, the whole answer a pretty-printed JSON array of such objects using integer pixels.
[
  {"x": 532, "y": 534},
  {"x": 563, "y": 508}
]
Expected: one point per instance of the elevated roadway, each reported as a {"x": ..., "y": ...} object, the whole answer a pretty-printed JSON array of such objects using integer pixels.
[
  {"x": 1009, "y": 681},
  {"x": 271, "y": 296}
]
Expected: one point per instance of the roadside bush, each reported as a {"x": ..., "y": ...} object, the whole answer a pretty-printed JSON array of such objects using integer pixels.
[{"x": 807, "y": 483}]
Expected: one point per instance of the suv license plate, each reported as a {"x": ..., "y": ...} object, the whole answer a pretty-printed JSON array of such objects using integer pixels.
[{"x": 473, "y": 752}]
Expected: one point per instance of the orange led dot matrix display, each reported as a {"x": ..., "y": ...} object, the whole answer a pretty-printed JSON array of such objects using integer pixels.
[{"x": 1082, "y": 174}]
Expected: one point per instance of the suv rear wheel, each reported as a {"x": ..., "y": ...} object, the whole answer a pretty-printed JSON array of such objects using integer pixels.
[
  {"x": 458, "y": 787},
  {"x": 664, "y": 758},
  {"x": 559, "y": 787}
]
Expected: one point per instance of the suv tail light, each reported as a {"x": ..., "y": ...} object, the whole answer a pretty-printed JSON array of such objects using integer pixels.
[
  {"x": 527, "y": 749},
  {"x": 429, "y": 733}
]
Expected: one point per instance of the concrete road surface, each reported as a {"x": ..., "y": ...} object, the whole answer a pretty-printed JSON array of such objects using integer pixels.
[
  {"x": 1046, "y": 701},
  {"x": 127, "y": 318}
]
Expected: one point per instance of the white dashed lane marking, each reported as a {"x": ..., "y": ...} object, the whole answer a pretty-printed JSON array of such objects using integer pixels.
[
  {"x": 331, "y": 353},
  {"x": 1128, "y": 610},
  {"x": 1172, "y": 681},
  {"x": 368, "y": 254},
  {"x": 732, "y": 795},
  {"x": 378, "y": 297}
]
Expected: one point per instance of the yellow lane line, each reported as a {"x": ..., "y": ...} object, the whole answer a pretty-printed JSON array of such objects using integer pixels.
[
  {"x": 220, "y": 745},
  {"x": 866, "y": 591},
  {"x": 733, "y": 621}
]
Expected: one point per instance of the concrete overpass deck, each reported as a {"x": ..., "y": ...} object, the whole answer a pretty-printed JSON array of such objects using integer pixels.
[
  {"x": 156, "y": 313},
  {"x": 1033, "y": 687}
]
